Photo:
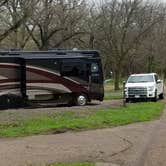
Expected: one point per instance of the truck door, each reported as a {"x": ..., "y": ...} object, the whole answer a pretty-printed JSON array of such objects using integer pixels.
[{"x": 158, "y": 85}]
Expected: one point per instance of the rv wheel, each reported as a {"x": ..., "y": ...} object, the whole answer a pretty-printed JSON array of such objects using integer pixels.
[
  {"x": 11, "y": 101},
  {"x": 81, "y": 100}
]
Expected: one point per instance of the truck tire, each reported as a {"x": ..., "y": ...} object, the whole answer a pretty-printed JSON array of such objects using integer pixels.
[
  {"x": 161, "y": 96},
  {"x": 127, "y": 100},
  {"x": 81, "y": 100},
  {"x": 155, "y": 98}
]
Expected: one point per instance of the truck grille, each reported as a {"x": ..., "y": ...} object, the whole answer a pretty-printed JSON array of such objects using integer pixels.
[{"x": 140, "y": 91}]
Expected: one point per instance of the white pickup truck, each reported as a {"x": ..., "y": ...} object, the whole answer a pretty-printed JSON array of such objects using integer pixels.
[{"x": 144, "y": 86}]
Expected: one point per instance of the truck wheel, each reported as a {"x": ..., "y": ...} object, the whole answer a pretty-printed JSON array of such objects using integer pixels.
[
  {"x": 81, "y": 100},
  {"x": 155, "y": 98},
  {"x": 127, "y": 100},
  {"x": 161, "y": 96}
]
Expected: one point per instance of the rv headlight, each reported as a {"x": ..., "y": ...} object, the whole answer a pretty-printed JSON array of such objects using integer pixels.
[{"x": 151, "y": 88}]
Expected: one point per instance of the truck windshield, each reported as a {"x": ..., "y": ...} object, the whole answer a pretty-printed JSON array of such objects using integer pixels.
[{"x": 142, "y": 78}]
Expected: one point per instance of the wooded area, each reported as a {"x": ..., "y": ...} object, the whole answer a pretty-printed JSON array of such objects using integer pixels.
[{"x": 130, "y": 34}]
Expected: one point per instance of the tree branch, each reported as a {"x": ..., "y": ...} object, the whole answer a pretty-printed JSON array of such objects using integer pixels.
[
  {"x": 33, "y": 37},
  {"x": 11, "y": 29},
  {"x": 68, "y": 38}
]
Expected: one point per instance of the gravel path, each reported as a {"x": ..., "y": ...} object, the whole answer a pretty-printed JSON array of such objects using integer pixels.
[{"x": 14, "y": 115}]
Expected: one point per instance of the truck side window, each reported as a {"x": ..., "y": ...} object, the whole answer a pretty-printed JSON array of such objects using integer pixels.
[{"x": 156, "y": 78}]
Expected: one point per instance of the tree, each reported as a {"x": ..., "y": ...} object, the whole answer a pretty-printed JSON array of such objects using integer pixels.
[
  {"x": 124, "y": 25},
  {"x": 8, "y": 26},
  {"x": 55, "y": 22}
]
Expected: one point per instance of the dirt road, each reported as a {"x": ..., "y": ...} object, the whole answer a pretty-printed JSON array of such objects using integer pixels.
[{"x": 141, "y": 144}]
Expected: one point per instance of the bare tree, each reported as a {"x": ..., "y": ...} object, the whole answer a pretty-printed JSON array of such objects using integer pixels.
[
  {"x": 55, "y": 22},
  {"x": 125, "y": 24},
  {"x": 17, "y": 18}
]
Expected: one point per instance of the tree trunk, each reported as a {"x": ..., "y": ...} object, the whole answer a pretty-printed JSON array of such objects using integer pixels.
[
  {"x": 45, "y": 45},
  {"x": 91, "y": 41},
  {"x": 150, "y": 64},
  {"x": 117, "y": 79},
  {"x": 164, "y": 73},
  {"x": 16, "y": 38}
]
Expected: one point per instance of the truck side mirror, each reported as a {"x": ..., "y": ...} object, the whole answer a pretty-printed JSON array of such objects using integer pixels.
[
  {"x": 158, "y": 81},
  {"x": 124, "y": 82},
  {"x": 111, "y": 74}
]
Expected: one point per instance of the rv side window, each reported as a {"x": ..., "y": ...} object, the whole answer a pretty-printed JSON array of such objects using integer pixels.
[{"x": 74, "y": 69}]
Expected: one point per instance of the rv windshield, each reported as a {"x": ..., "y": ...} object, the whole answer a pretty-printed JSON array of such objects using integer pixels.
[{"x": 140, "y": 78}]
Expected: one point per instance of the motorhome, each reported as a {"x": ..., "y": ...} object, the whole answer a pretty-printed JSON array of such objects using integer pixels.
[{"x": 73, "y": 77}]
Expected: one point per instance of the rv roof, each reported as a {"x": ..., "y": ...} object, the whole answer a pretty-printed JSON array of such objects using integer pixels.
[{"x": 51, "y": 53}]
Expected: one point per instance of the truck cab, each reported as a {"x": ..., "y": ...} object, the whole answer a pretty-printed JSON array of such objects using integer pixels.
[{"x": 144, "y": 86}]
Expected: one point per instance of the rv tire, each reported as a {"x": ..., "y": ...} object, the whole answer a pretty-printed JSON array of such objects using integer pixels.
[
  {"x": 11, "y": 101},
  {"x": 81, "y": 100}
]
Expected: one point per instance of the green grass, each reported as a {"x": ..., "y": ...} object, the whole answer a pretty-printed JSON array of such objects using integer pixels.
[
  {"x": 111, "y": 81},
  {"x": 114, "y": 97},
  {"x": 72, "y": 121},
  {"x": 113, "y": 91},
  {"x": 73, "y": 164},
  {"x": 111, "y": 94}
]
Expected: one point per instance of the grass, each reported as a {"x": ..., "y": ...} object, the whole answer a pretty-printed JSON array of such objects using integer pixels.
[
  {"x": 111, "y": 94},
  {"x": 73, "y": 164},
  {"x": 113, "y": 97},
  {"x": 111, "y": 81},
  {"x": 72, "y": 121},
  {"x": 112, "y": 91}
]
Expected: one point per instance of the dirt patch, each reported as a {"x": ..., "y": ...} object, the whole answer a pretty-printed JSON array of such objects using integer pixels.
[
  {"x": 108, "y": 87},
  {"x": 68, "y": 147},
  {"x": 118, "y": 146}
]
